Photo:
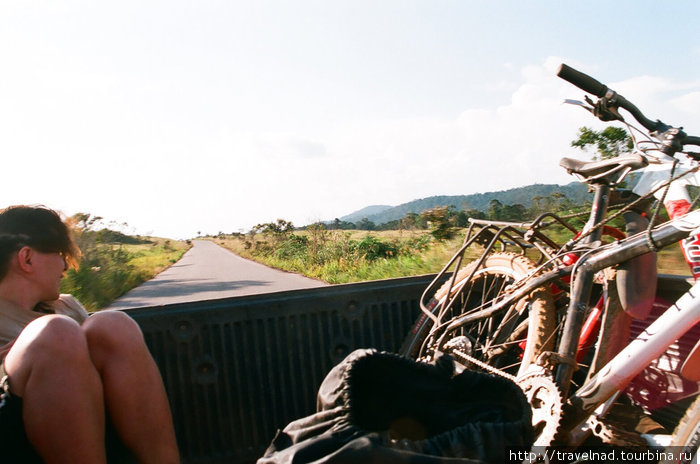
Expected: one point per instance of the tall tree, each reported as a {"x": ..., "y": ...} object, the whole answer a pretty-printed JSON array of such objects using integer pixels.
[
  {"x": 365, "y": 224},
  {"x": 609, "y": 143},
  {"x": 438, "y": 219},
  {"x": 495, "y": 209}
]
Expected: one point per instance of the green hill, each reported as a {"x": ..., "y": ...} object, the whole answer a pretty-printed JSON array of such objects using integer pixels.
[{"x": 576, "y": 192}]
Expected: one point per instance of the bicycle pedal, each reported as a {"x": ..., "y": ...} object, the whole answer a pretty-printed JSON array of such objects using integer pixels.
[{"x": 614, "y": 433}]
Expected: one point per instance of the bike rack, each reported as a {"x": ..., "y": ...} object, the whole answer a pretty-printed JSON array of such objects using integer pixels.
[{"x": 492, "y": 234}]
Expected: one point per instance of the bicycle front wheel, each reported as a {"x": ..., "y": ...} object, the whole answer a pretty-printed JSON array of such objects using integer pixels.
[
  {"x": 686, "y": 437},
  {"x": 510, "y": 339}
]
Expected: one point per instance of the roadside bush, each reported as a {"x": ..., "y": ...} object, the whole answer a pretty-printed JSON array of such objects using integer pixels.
[
  {"x": 339, "y": 249},
  {"x": 372, "y": 248},
  {"x": 104, "y": 274},
  {"x": 294, "y": 247},
  {"x": 415, "y": 245}
]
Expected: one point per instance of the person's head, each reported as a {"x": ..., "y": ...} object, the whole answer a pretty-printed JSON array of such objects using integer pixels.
[{"x": 37, "y": 229}]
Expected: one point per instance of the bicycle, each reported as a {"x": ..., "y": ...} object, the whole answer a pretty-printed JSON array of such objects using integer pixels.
[{"x": 531, "y": 316}]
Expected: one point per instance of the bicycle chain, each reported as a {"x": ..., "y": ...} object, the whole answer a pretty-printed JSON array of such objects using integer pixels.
[{"x": 465, "y": 357}]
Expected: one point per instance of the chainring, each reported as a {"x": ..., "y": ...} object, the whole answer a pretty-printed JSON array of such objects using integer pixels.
[{"x": 546, "y": 402}]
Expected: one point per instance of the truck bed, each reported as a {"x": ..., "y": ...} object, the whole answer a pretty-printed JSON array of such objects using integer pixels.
[{"x": 238, "y": 369}]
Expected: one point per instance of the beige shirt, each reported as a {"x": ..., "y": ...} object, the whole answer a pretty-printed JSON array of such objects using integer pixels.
[{"x": 14, "y": 319}]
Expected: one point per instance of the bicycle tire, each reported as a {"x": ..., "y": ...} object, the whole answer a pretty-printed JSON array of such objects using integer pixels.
[
  {"x": 686, "y": 437},
  {"x": 533, "y": 321}
]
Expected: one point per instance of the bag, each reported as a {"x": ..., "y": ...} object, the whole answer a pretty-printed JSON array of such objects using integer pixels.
[{"x": 377, "y": 407}]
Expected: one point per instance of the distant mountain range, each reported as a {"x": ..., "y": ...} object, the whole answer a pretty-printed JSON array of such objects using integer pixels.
[{"x": 380, "y": 214}]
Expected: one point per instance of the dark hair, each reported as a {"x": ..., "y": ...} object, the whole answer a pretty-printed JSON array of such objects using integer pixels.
[{"x": 37, "y": 227}]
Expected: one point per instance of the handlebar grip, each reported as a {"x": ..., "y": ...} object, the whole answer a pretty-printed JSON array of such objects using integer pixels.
[{"x": 581, "y": 80}]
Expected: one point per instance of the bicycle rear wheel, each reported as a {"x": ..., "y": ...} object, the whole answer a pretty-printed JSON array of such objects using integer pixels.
[{"x": 508, "y": 340}]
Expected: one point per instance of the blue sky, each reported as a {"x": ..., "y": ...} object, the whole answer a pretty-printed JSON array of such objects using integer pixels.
[{"x": 180, "y": 117}]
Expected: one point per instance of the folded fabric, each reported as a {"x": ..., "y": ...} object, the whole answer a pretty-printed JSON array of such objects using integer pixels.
[{"x": 377, "y": 407}]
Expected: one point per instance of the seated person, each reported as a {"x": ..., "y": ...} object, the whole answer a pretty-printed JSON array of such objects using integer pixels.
[{"x": 64, "y": 374}]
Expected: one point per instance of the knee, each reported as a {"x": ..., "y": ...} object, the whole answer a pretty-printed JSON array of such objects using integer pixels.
[
  {"x": 49, "y": 344},
  {"x": 112, "y": 331},
  {"x": 53, "y": 335}
]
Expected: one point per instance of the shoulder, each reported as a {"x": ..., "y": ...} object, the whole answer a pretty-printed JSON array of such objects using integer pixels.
[{"x": 68, "y": 305}]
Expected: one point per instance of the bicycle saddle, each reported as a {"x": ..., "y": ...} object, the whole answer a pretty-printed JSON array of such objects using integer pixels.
[{"x": 595, "y": 169}]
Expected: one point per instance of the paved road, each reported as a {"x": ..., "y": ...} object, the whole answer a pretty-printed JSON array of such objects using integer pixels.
[{"x": 208, "y": 271}]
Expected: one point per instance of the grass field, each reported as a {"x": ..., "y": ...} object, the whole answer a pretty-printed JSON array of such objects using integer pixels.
[
  {"x": 333, "y": 256},
  {"x": 351, "y": 256},
  {"x": 151, "y": 259}
]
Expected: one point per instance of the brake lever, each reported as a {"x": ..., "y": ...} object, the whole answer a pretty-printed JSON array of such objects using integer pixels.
[
  {"x": 569, "y": 101},
  {"x": 693, "y": 154},
  {"x": 605, "y": 109}
]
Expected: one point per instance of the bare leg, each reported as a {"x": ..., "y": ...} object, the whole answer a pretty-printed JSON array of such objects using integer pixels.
[
  {"x": 50, "y": 368},
  {"x": 133, "y": 389}
]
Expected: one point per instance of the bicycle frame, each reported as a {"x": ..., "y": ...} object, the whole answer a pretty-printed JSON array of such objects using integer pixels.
[
  {"x": 663, "y": 235},
  {"x": 651, "y": 343}
]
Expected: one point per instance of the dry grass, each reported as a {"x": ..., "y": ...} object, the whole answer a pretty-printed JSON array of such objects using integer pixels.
[{"x": 429, "y": 260}]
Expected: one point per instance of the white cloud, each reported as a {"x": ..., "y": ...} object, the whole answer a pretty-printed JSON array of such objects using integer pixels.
[
  {"x": 393, "y": 161},
  {"x": 163, "y": 170},
  {"x": 688, "y": 104}
]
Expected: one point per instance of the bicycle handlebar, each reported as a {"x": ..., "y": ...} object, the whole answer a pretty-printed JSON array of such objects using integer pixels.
[
  {"x": 582, "y": 81},
  {"x": 593, "y": 86}
]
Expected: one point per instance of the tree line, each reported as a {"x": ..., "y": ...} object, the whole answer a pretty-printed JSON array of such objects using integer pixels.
[{"x": 445, "y": 218}]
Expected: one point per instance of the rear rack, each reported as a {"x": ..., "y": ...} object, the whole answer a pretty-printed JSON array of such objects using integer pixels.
[{"x": 525, "y": 237}]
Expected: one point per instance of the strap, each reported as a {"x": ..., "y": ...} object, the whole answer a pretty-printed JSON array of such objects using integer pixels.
[{"x": 4, "y": 385}]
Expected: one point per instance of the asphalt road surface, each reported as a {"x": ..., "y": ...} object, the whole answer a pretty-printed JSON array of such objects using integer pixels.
[{"x": 208, "y": 271}]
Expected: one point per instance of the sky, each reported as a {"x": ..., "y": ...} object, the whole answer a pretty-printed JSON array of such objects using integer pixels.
[{"x": 185, "y": 117}]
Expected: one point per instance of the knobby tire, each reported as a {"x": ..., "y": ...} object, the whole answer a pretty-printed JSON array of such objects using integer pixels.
[
  {"x": 686, "y": 437},
  {"x": 531, "y": 318}
]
